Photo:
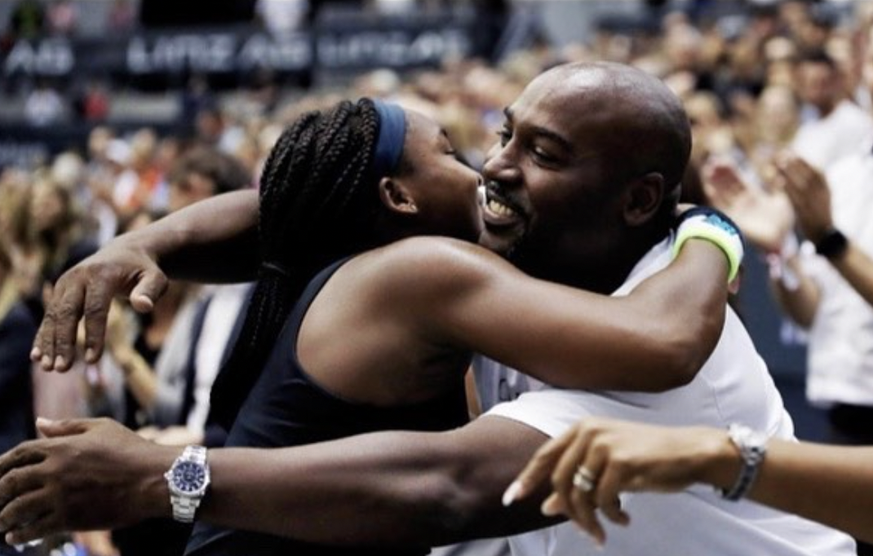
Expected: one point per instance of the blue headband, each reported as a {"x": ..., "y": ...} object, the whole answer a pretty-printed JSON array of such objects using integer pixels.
[{"x": 392, "y": 134}]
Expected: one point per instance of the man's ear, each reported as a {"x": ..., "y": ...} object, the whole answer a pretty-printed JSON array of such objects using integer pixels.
[
  {"x": 396, "y": 197},
  {"x": 644, "y": 198}
]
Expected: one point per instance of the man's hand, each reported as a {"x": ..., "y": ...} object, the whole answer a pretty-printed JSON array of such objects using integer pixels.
[
  {"x": 765, "y": 218},
  {"x": 89, "y": 474},
  {"x": 86, "y": 291}
]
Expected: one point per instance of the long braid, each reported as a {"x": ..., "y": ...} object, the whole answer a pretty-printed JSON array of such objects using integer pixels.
[{"x": 317, "y": 204}]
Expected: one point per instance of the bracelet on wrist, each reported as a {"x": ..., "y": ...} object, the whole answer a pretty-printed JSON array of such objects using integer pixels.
[
  {"x": 752, "y": 446},
  {"x": 712, "y": 225}
]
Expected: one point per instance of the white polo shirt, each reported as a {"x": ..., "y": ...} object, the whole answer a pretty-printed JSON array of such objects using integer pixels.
[
  {"x": 733, "y": 386},
  {"x": 840, "y": 351}
]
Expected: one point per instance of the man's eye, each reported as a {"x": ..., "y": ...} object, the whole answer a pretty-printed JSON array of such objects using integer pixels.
[
  {"x": 505, "y": 135},
  {"x": 542, "y": 155}
]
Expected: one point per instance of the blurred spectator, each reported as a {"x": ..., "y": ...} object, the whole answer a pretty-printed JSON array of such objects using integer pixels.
[
  {"x": 194, "y": 98},
  {"x": 44, "y": 105},
  {"x": 282, "y": 16},
  {"x": 831, "y": 126},
  {"x": 50, "y": 237},
  {"x": 100, "y": 176},
  {"x": 214, "y": 129},
  {"x": 27, "y": 19},
  {"x": 92, "y": 103},
  {"x": 17, "y": 330},
  {"x": 121, "y": 17},
  {"x": 62, "y": 17}
]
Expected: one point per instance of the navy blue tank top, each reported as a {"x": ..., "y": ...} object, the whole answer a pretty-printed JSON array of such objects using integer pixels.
[{"x": 287, "y": 408}]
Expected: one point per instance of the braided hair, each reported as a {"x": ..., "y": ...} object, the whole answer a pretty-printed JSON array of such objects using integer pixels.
[{"x": 317, "y": 205}]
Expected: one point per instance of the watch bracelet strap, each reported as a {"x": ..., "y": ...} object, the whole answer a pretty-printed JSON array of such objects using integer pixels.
[
  {"x": 197, "y": 454},
  {"x": 752, "y": 458},
  {"x": 184, "y": 507}
]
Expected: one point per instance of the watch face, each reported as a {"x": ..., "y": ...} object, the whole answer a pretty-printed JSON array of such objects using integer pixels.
[{"x": 189, "y": 477}]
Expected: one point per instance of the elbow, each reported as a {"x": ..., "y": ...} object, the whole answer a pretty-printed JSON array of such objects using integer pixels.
[
  {"x": 675, "y": 361},
  {"x": 457, "y": 507},
  {"x": 672, "y": 371},
  {"x": 459, "y": 502}
]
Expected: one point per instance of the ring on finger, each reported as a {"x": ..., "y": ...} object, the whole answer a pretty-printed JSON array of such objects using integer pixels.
[{"x": 583, "y": 479}]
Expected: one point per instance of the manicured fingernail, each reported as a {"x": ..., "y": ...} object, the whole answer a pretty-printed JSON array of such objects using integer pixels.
[
  {"x": 35, "y": 354},
  {"x": 511, "y": 493},
  {"x": 90, "y": 355},
  {"x": 60, "y": 362},
  {"x": 46, "y": 362},
  {"x": 43, "y": 422}
]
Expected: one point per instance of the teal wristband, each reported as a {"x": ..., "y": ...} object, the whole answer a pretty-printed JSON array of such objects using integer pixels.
[{"x": 718, "y": 231}]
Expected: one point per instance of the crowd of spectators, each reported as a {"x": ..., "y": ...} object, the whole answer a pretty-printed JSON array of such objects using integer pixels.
[{"x": 786, "y": 74}]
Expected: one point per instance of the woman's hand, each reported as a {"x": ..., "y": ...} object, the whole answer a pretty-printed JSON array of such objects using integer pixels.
[{"x": 597, "y": 459}]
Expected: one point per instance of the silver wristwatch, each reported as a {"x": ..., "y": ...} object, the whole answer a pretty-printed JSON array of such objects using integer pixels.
[
  {"x": 752, "y": 446},
  {"x": 188, "y": 480}
]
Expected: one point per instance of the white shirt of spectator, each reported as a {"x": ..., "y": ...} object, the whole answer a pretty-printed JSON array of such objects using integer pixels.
[
  {"x": 733, "y": 386},
  {"x": 824, "y": 141},
  {"x": 840, "y": 351},
  {"x": 221, "y": 315}
]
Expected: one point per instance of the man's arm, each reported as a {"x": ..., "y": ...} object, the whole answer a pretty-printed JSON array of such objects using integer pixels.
[
  {"x": 654, "y": 339},
  {"x": 386, "y": 488},
  {"x": 214, "y": 240}
]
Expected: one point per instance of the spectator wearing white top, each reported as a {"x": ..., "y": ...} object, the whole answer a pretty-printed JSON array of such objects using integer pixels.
[{"x": 833, "y": 127}]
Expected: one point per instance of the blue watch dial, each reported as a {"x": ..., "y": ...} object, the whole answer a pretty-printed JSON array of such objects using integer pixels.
[{"x": 189, "y": 476}]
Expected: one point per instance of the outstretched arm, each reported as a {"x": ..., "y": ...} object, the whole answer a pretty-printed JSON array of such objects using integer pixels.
[
  {"x": 654, "y": 339},
  {"x": 214, "y": 240},
  {"x": 621, "y": 456},
  {"x": 384, "y": 488}
]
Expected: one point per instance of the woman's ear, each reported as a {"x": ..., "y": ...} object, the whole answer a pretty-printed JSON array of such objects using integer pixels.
[
  {"x": 396, "y": 197},
  {"x": 644, "y": 198}
]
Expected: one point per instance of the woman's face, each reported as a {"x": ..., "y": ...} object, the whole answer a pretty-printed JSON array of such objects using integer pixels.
[
  {"x": 445, "y": 190},
  {"x": 47, "y": 207}
]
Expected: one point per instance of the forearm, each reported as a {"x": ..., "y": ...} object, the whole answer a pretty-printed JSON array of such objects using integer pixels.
[
  {"x": 211, "y": 241},
  {"x": 673, "y": 320},
  {"x": 796, "y": 294},
  {"x": 857, "y": 268},
  {"x": 687, "y": 303},
  {"x": 379, "y": 489},
  {"x": 837, "y": 483}
]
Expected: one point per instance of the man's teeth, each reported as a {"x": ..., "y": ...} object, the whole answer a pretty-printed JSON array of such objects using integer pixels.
[{"x": 499, "y": 208}]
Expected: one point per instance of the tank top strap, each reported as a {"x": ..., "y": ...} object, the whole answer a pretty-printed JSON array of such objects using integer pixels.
[{"x": 295, "y": 318}]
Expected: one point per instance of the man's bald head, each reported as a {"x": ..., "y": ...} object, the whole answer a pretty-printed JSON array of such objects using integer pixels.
[{"x": 641, "y": 125}]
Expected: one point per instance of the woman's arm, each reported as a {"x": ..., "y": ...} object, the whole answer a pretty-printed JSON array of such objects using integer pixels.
[
  {"x": 457, "y": 294},
  {"x": 829, "y": 484}
]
